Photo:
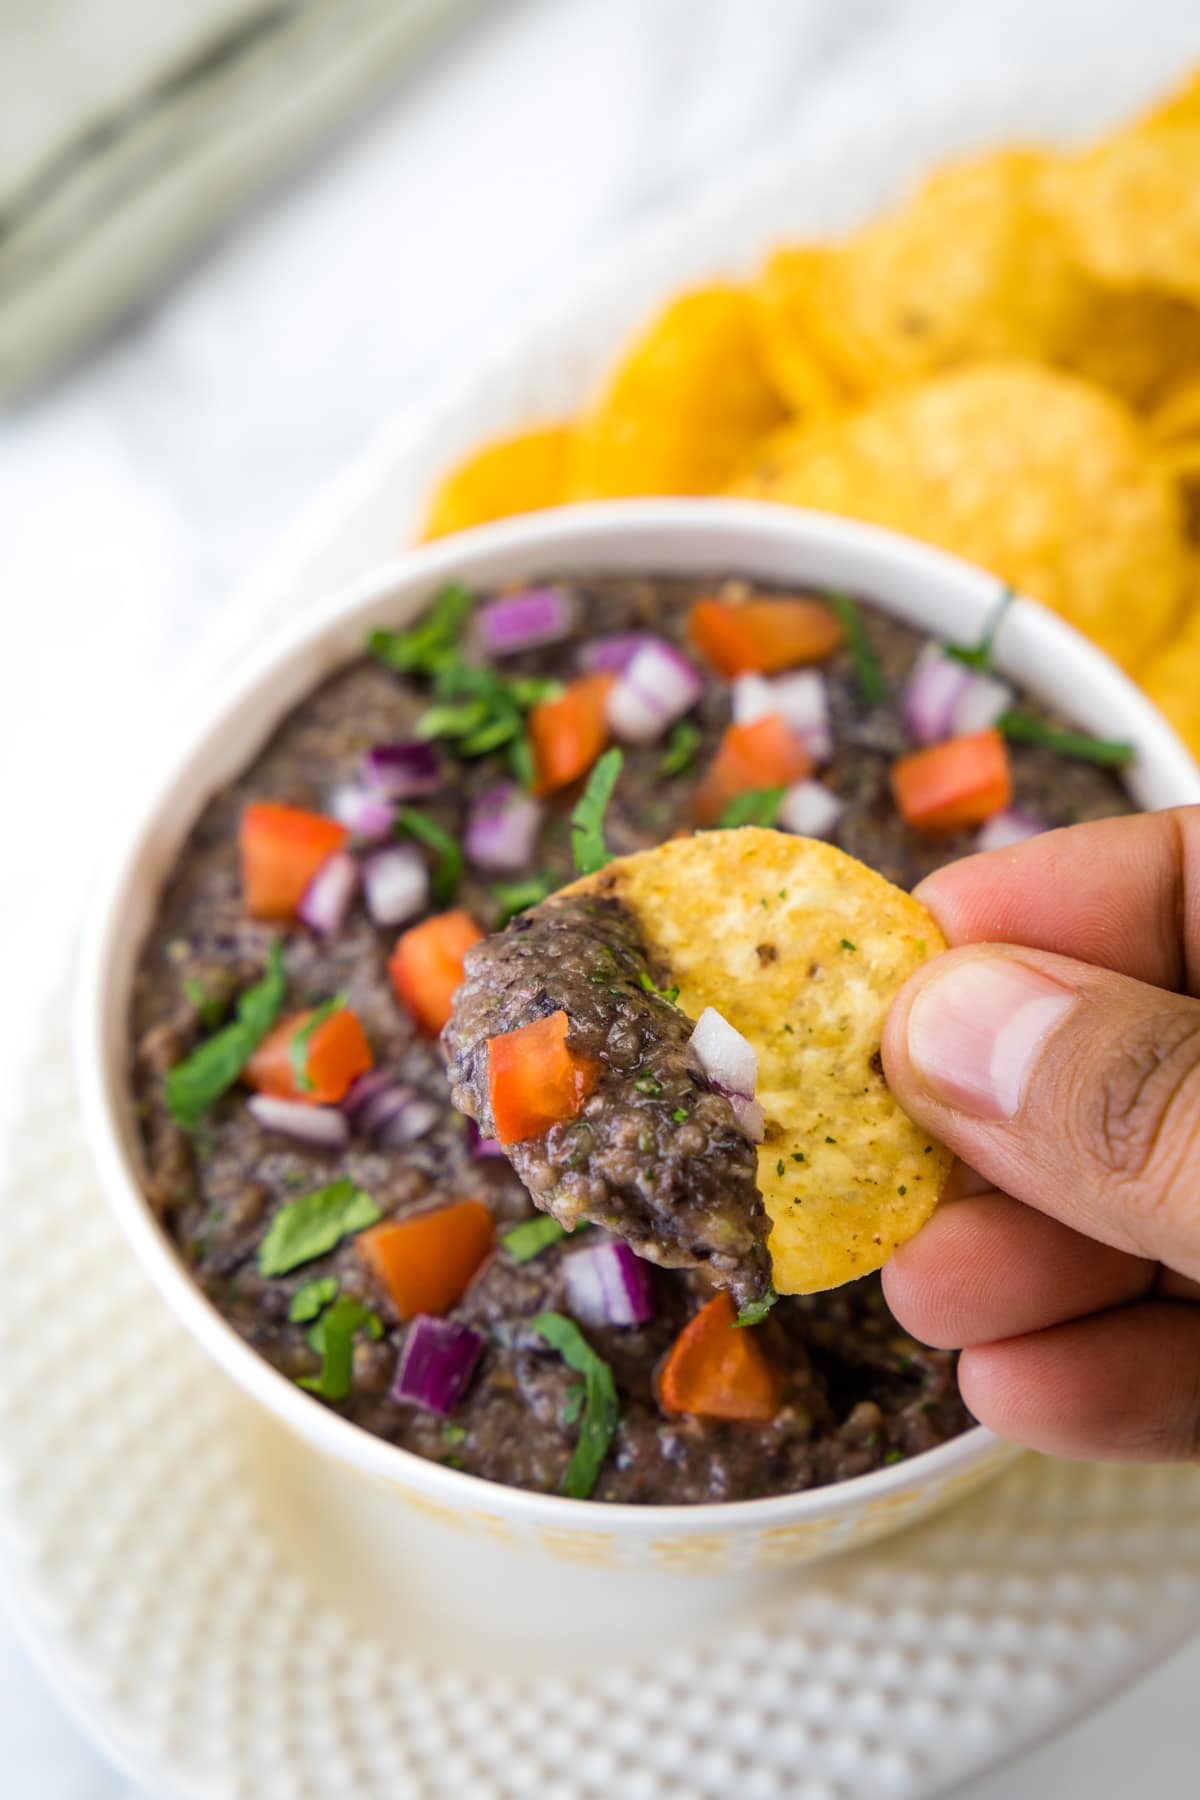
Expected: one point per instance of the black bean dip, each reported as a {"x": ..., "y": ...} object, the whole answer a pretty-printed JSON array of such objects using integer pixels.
[{"x": 321, "y": 1289}]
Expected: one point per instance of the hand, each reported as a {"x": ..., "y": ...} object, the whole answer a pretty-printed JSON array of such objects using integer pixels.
[{"x": 1057, "y": 1052}]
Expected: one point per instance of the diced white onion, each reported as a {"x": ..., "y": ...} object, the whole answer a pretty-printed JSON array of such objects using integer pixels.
[
  {"x": 810, "y": 809},
  {"x": 727, "y": 1058}
]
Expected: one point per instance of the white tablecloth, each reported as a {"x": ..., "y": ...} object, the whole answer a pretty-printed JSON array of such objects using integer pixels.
[{"x": 135, "y": 495}]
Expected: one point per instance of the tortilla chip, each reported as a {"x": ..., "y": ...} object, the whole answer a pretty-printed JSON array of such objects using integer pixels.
[
  {"x": 1138, "y": 343},
  {"x": 516, "y": 474},
  {"x": 1130, "y": 206},
  {"x": 1035, "y": 475},
  {"x": 967, "y": 268},
  {"x": 684, "y": 407},
  {"x": 801, "y": 949}
]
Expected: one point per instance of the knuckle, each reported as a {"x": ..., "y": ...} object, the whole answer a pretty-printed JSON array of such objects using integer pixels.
[{"x": 1141, "y": 1113}]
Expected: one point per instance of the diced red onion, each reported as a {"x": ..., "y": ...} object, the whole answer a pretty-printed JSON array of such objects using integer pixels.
[
  {"x": 395, "y": 884},
  {"x": 324, "y": 1127},
  {"x": 1006, "y": 828},
  {"x": 979, "y": 705},
  {"x": 608, "y": 1285},
  {"x": 612, "y": 655},
  {"x": 527, "y": 620},
  {"x": 502, "y": 828},
  {"x": 488, "y": 1147},
  {"x": 403, "y": 771},
  {"x": 328, "y": 895},
  {"x": 728, "y": 1060},
  {"x": 368, "y": 815},
  {"x": 810, "y": 809},
  {"x": 750, "y": 1117},
  {"x": 800, "y": 699},
  {"x": 415, "y": 1119},
  {"x": 943, "y": 698},
  {"x": 364, "y": 1088},
  {"x": 436, "y": 1364},
  {"x": 657, "y": 688}
]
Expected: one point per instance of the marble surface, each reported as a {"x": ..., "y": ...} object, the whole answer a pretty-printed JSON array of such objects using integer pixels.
[{"x": 139, "y": 491}]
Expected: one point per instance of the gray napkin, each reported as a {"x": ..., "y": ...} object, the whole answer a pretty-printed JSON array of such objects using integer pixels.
[{"x": 131, "y": 129}]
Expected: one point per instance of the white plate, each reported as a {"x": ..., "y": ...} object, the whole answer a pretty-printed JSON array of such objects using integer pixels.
[{"x": 182, "y": 1606}]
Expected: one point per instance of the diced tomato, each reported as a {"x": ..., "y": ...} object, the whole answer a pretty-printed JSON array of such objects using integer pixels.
[
  {"x": 759, "y": 637},
  {"x": 764, "y": 754},
  {"x": 337, "y": 1053},
  {"x": 569, "y": 733},
  {"x": 282, "y": 847},
  {"x": 427, "y": 966},
  {"x": 719, "y": 1370},
  {"x": 954, "y": 785},
  {"x": 535, "y": 1079},
  {"x": 426, "y": 1262}
]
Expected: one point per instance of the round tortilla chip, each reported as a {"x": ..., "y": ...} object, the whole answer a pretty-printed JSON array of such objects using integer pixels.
[
  {"x": 1033, "y": 474},
  {"x": 517, "y": 474},
  {"x": 1130, "y": 206},
  {"x": 1138, "y": 343},
  {"x": 683, "y": 408},
  {"x": 802, "y": 949}
]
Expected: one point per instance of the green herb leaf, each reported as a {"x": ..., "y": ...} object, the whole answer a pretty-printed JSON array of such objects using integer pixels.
[
  {"x": 1023, "y": 728},
  {"x": 980, "y": 656},
  {"x": 528, "y": 1239},
  {"x": 454, "y": 1434},
  {"x": 682, "y": 745},
  {"x": 432, "y": 642},
  {"x": 209, "y": 1008},
  {"x": 647, "y": 1084},
  {"x": 314, "y": 1224},
  {"x": 299, "y": 1047},
  {"x": 755, "y": 1311},
  {"x": 448, "y": 869},
  {"x": 521, "y": 761},
  {"x": 479, "y": 710},
  {"x": 332, "y": 1337},
  {"x": 867, "y": 673},
  {"x": 587, "y": 820},
  {"x": 680, "y": 1114},
  {"x": 513, "y": 897},
  {"x": 573, "y": 1404},
  {"x": 600, "y": 1414},
  {"x": 759, "y": 806},
  {"x": 669, "y": 994},
  {"x": 213, "y": 1066},
  {"x": 308, "y": 1300}
]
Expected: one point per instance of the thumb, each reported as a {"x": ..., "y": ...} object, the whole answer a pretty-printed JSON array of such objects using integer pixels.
[{"x": 1070, "y": 1087}]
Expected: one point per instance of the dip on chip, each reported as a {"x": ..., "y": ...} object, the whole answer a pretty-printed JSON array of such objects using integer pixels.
[{"x": 787, "y": 953}]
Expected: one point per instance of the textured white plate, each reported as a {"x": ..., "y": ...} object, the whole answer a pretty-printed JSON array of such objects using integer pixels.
[
  {"x": 182, "y": 1605},
  {"x": 179, "y": 1599}
]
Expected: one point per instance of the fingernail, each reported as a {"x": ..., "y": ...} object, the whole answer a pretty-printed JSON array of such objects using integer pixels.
[{"x": 975, "y": 1032}]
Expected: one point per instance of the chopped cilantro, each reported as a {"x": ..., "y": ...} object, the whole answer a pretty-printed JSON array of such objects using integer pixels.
[
  {"x": 902, "y": 1191},
  {"x": 600, "y": 1416},
  {"x": 531, "y": 1237},
  {"x": 847, "y": 945},
  {"x": 791, "y": 1030},
  {"x": 780, "y": 1166},
  {"x": 682, "y": 745},
  {"x": 308, "y": 1300},
  {"x": 213, "y": 1066},
  {"x": 478, "y": 710},
  {"x": 314, "y": 1224},
  {"x": 755, "y": 1311},
  {"x": 758, "y": 806},
  {"x": 573, "y": 1404},
  {"x": 521, "y": 760},
  {"x": 830, "y": 1140},
  {"x": 894, "y": 1456},
  {"x": 452, "y": 1461},
  {"x": 299, "y": 1046},
  {"x": 669, "y": 994},
  {"x": 980, "y": 656},
  {"x": 332, "y": 1337},
  {"x": 448, "y": 869},
  {"x": 430, "y": 644},
  {"x": 867, "y": 673},
  {"x": 513, "y": 897},
  {"x": 210, "y": 1008},
  {"x": 587, "y": 819},
  {"x": 680, "y": 1114},
  {"x": 454, "y": 1434},
  {"x": 646, "y": 1084},
  {"x": 798, "y": 1156},
  {"x": 1023, "y": 728}
]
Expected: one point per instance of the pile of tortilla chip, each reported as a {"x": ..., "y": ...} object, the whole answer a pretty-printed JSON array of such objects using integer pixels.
[{"x": 1008, "y": 365}]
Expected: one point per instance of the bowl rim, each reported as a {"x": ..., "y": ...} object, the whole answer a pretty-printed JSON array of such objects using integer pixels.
[{"x": 548, "y": 541}]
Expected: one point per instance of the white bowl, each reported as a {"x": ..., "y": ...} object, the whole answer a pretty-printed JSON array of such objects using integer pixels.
[{"x": 458, "y": 1551}]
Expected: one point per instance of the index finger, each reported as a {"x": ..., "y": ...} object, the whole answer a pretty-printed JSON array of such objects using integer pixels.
[{"x": 1122, "y": 894}]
